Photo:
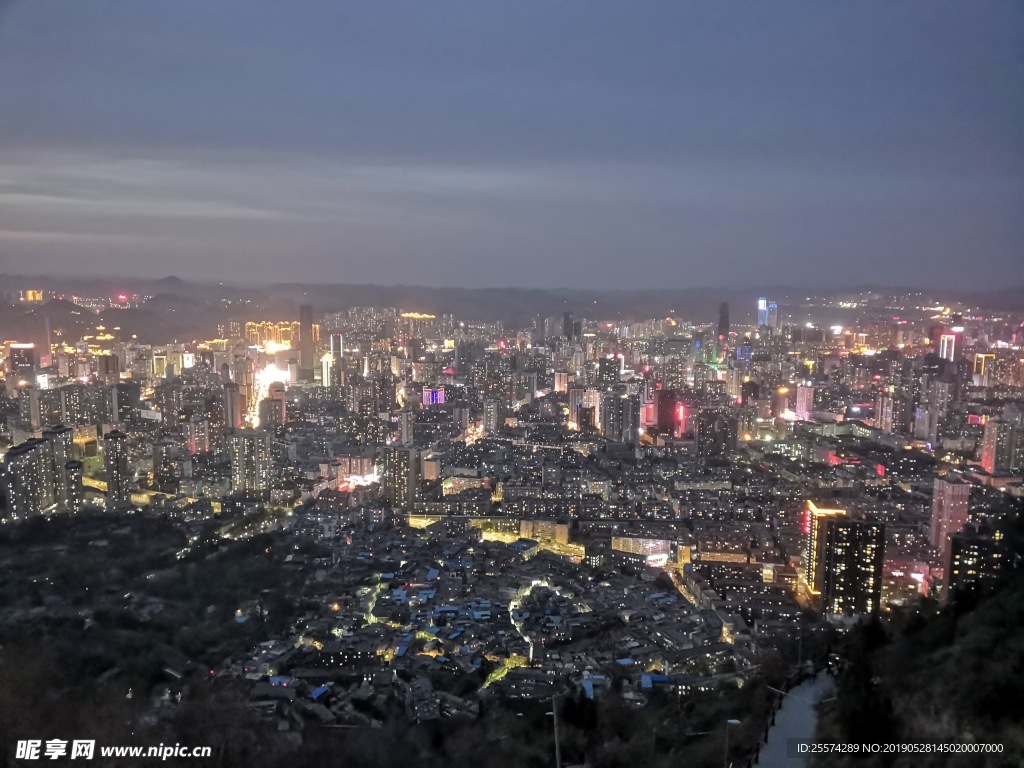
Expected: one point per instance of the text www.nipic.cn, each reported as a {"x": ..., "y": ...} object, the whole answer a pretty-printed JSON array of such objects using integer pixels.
[{"x": 53, "y": 749}]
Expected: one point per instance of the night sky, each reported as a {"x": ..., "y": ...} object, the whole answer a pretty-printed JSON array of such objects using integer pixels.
[{"x": 541, "y": 144}]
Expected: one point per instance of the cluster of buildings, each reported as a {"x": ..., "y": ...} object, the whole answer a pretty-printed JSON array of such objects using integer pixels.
[{"x": 569, "y": 502}]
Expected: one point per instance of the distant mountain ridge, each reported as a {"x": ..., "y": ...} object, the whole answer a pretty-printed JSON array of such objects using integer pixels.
[{"x": 511, "y": 305}]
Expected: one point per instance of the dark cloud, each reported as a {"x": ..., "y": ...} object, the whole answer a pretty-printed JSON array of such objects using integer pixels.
[{"x": 528, "y": 143}]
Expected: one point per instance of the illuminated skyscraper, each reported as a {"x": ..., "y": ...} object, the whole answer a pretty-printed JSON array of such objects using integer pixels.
[
  {"x": 854, "y": 555},
  {"x": 327, "y": 370},
  {"x": 272, "y": 413},
  {"x": 609, "y": 371},
  {"x": 714, "y": 432},
  {"x": 126, "y": 400},
  {"x": 1002, "y": 447},
  {"x": 336, "y": 353},
  {"x": 950, "y": 502},
  {"x": 197, "y": 435},
  {"x": 815, "y": 520},
  {"x": 492, "y": 410},
  {"x": 972, "y": 554},
  {"x": 30, "y": 405},
  {"x": 22, "y": 361},
  {"x": 23, "y": 479},
  {"x": 405, "y": 422},
  {"x": 804, "y": 403},
  {"x": 767, "y": 313},
  {"x": 947, "y": 346},
  {"x": 60, "y": 446},
  {"x": 337, "y": 345},
  {"x": 115, "y": 462},
  {"x": 884, "y": 411},
  {"x": 401, "y": 476},
  {"x": 163, "y": 462},
  {"x": 232, "y": 407},
  {"x": 842, "y": 561},
  {"x": 73, "y": 482},
  {"x": 433, "y": 396},
  {"x": 251, "y": 462},
  {"x": 584, "y": 399},
  {"x": 620, "y": 417}
]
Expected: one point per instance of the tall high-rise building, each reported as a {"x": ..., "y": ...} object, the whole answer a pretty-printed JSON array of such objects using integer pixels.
[
  {"x": 30, "y": 406},
  {"x": 108, "y": 368},
  {"x": 23, "y": 479},
  {"x": 561, "y": 381},
  {"x": 804, "y": 403},
  {"x": 715, "y": 432},
  {"x": 401, "y": 476},
  {"x": 336, "y": 345},
  {"x": 620, "y": 417},
  {"x": 972, "y": 554},
  {"x": 854, "y": 556},
  {"x": 336, "y": 352},
  {"x": 723, "y": 321},
  {"x": 568, "y": 326},
  {"x": 492, "y": 411},
  {"x": 1002, "y": 447},
  {"x": 232, "y": 406},
  {"x": 164, "y": 461},
  {"x": 884, "y": 405},
  {"x": 405, "y": 422},
  {"x": 947, "y": 346},
  {"x": 251, "y": 461},
  {"x": 950, "y": 503},
  {"x": 197, "y": 435},
  {"x": 767, "y": 313},
  {"x": 609, "y": 371},
  {"x": 327, "y": 370},
  {"x": 815, "y": 533},
  {"x": 127, "y": 401},
  {"x": 306, "y": 361},
  {"x": 60, "y": 439},
  {"x": 842, "y": 561},
  {"x": 674, "y": 412},
  {"x": 170, "y": 400},
  {"x": 22, "y": 361},
  {"x": 115, "y": 462},
  {"x": 273, "y": 409},
  {"x": 581, "y": 399},
  {"x": 73, "y": 480}
]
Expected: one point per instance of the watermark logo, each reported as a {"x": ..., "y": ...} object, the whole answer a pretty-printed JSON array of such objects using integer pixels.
[
  {"x": 81, "y": 749},
  {"x": 34, "y": 749}
]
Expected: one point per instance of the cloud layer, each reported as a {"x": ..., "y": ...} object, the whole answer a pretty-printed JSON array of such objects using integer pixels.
[{"x": 587, "y": 144}]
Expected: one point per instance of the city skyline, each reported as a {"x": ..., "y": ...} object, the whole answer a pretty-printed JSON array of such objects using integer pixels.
[
  {"x": 541, "y": 146},
  {"x": 512, "y": 385}
]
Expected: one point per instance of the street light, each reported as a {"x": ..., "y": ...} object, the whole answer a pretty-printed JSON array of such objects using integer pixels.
[
  {"x": 725, "y": 761},
  {"x": 554, "y": 715}
]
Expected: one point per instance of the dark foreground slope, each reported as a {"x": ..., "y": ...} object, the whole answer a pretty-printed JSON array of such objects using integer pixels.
[{"x": 949, "y": 674}]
